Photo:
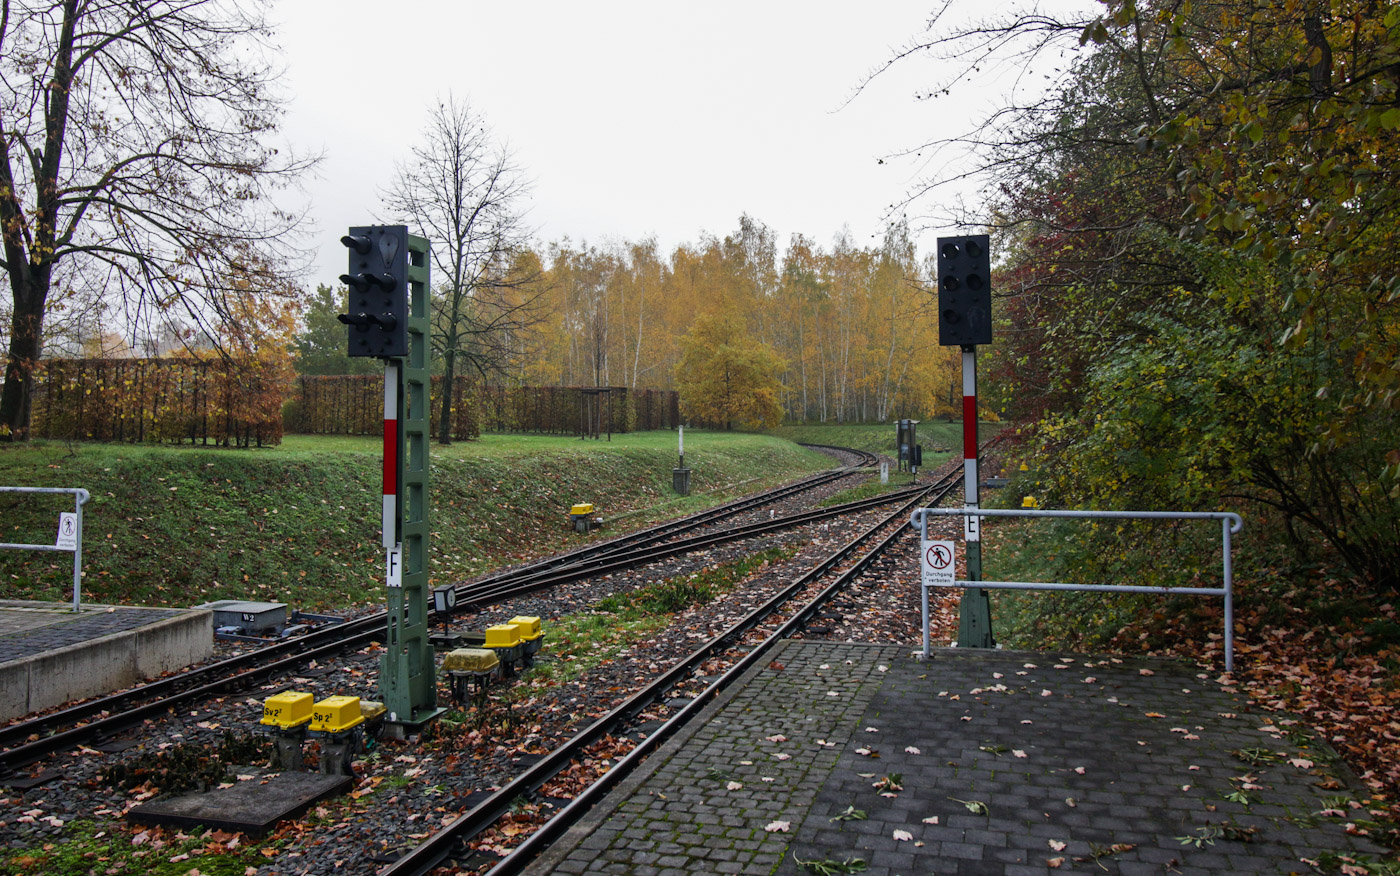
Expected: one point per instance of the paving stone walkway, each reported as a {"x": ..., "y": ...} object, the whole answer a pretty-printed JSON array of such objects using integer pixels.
[
  {"x": 1005, "y": 763},
  {"x": 29, "y": 628}
]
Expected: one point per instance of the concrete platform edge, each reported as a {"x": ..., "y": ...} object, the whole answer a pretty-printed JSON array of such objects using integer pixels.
[{"x": 105, "y": 664}]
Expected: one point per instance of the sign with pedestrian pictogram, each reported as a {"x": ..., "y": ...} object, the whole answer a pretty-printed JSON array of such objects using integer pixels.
[
  {"x": 936, "y": 563},
  {"x": 67, "y": 539}
]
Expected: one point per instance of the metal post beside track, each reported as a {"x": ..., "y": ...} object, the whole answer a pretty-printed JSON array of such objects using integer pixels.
[
  {"x": 406, "y": 667},
  {"x": 70, "y": 534},
  {"x": 1230, "y": 523}
]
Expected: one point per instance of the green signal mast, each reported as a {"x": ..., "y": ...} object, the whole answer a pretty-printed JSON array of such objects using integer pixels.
[{"x": 388, "y": 319}]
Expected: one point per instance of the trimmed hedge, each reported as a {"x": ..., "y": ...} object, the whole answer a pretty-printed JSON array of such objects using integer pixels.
[{"x": 171, "y": 400}]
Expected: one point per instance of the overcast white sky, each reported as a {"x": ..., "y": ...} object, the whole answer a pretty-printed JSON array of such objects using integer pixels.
[{"x": 631, "y": 118}]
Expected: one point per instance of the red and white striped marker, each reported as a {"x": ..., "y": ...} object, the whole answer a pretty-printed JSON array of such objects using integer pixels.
[
  {"x": 970, "y": 498},
  {"x": 391, "y": 455}
]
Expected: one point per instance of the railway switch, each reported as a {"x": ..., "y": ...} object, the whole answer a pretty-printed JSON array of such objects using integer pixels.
[
  {"x": 502, "y": 636},
  {"x": 504, "y": 639},
  {"x": 336, "y": 714},
  {"x": 338, "y": 722},
  {"x": 581, "y": 516}
]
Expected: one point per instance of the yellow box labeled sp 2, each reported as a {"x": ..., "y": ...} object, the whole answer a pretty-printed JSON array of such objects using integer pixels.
[
  {"x": 336, "y": 714},
  {"x": 582, "y": 509},
  {"x": 502, "y": 636},
  {"x": 287, "y": 710},
  {"x": 529, "y": 627}
]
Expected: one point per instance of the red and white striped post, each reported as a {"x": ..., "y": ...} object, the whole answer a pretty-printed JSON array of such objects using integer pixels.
[
  {"x": 970, "y": 495},
  {"x": 393, "y": 566},
  {"x": 975, "y": 614}
]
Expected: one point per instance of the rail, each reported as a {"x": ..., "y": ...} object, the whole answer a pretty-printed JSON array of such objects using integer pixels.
[
  {"x": 70, "y": 534},
  {"x": 438, "y": 847},
  {"x": 1230, "y": 523}
]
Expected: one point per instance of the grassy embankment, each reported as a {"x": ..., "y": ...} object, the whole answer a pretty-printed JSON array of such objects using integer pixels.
[{"x": 300, "y": 523}]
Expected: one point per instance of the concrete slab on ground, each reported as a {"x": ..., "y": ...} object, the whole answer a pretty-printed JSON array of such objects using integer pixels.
[
  {"x": 1005, "y": 763},
  {"x": 51, "y": 655},
  {"x": 253, "y": 806}
]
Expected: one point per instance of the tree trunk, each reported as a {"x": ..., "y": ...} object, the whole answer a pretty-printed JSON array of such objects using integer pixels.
[
  {"x": 449, "y": 370},
  {"x": 31, "y": 288}
]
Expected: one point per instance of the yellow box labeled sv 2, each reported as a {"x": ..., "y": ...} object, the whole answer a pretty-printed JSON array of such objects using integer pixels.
[{"x": 287, "y": 710}]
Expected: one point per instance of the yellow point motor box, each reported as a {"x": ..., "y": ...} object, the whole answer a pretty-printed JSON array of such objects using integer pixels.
[
  {"x": 287, "y": 710},
  {"x": 529, "y": 627},
  {"x": 1029, "y": 502},
  {"x": 336, "y": 714},
  {"x": 477, "y": 661},
  {"x": 372, "y": 710},
  {"x": 502, "y": 636},
  {"x": 582, "y": 509}
]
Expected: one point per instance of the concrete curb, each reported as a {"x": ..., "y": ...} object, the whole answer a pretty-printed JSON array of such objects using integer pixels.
[{"x": 104, "y": 664}]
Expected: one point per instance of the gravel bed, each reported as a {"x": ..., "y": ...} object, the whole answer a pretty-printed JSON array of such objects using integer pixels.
[{"x": 406, "y": 790}]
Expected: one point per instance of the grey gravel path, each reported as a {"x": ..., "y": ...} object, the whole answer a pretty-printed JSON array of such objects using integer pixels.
[{"x": 1006, "y": 763}]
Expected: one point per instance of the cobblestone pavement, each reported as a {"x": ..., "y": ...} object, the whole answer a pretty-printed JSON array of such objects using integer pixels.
[
  {"x": 992, "y": 763},
  {"x": 29, "y": 628}
]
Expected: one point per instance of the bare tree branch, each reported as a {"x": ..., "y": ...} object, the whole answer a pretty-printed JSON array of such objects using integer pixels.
[{"x": 462, "y": 190}]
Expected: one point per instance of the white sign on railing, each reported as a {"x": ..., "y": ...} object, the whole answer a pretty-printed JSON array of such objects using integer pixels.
[
  {"x": 67, "y": 538},
  {"x": 931, "y": 559},
  {"x": 937, "y": 564}
]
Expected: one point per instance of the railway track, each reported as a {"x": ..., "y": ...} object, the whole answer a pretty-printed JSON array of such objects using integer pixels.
[
  {"x": 441, "y": 847},
  {"x": 24, "y": 742}
]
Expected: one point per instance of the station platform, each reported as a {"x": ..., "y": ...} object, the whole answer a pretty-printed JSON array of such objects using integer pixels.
[
  {"x": 51, "y": 655},
  {"x": 974, "y": 762}
]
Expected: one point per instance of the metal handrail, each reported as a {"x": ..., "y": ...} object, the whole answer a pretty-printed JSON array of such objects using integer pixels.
[
  {"x": 80, "y": 498},
  {"x": 1230, "y": 523}
]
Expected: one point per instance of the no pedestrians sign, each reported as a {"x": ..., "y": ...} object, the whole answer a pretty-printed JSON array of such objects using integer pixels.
[{"x": 936, "y": 563}]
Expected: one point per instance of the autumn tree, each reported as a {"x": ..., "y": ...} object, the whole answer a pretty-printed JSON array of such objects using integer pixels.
[
  {"x": 320, "y": 345},
  {"x": 462, "y": 190},
  {"x": 1199, "y": 287},
  {"x": 727, "y": 376},
  {"x": 133, "y": 144}
]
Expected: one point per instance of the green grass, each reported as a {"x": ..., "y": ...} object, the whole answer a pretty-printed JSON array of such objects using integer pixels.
[
  {"x": 577, "y": 643},
  {"x": 869, "y": 489},
  {"x": 87, "y": 849},
  {"x": 299, "y": 523}
]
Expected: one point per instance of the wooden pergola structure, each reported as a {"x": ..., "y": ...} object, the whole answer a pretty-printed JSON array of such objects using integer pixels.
[{"x": 592, "y": 400}]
